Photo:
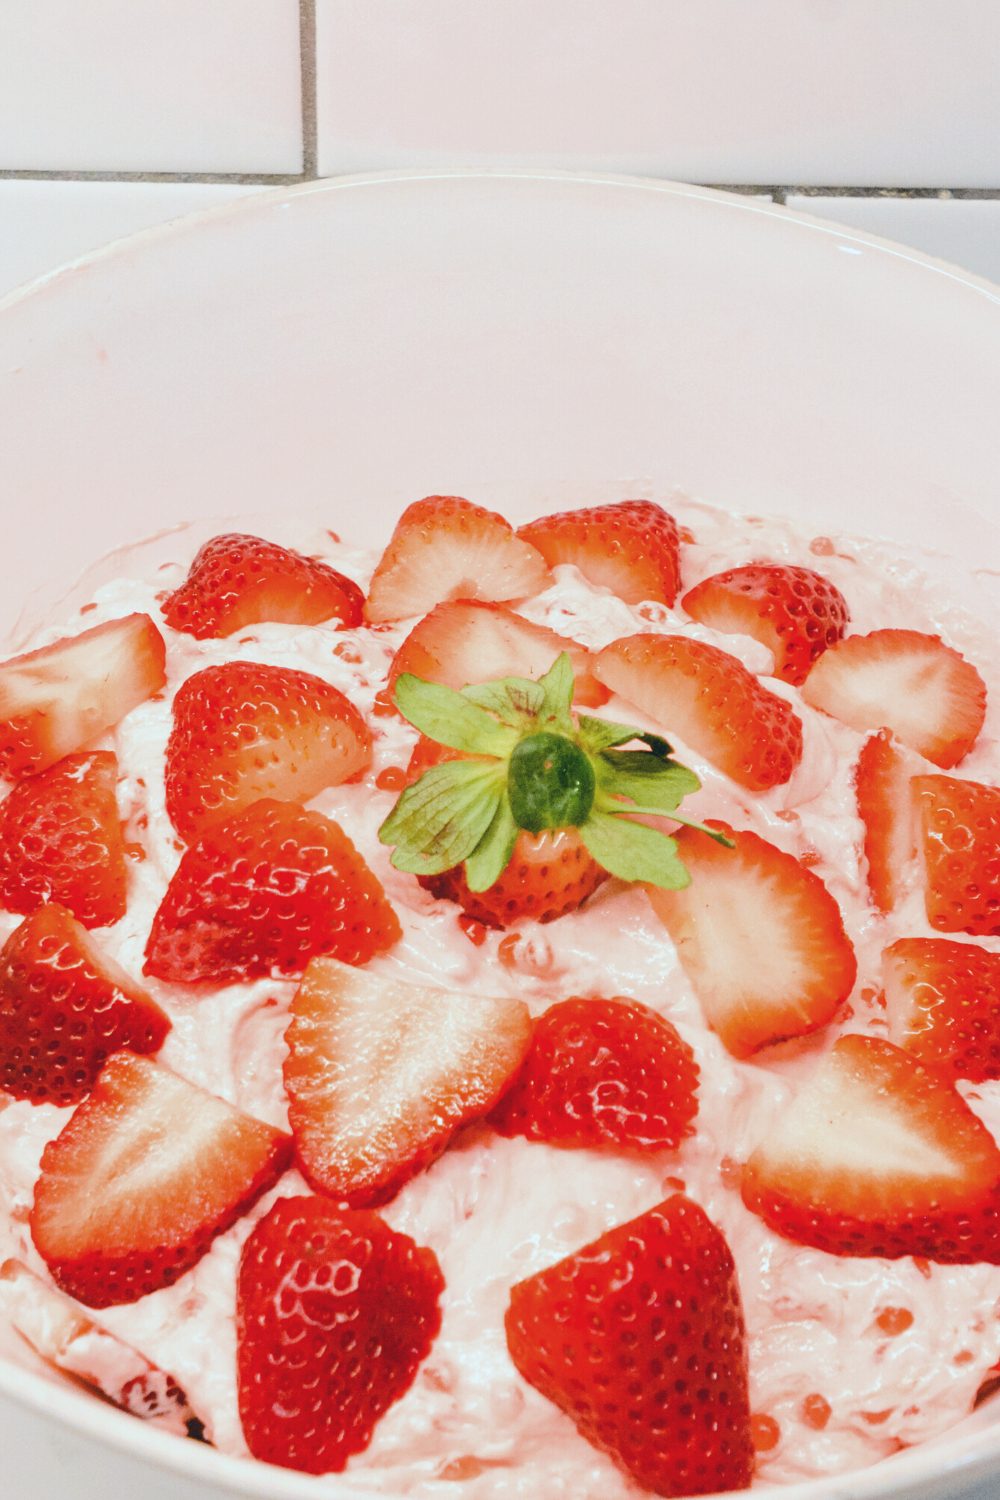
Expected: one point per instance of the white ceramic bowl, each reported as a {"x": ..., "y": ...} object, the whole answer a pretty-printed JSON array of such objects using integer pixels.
[{"x": 340, "y": 349}]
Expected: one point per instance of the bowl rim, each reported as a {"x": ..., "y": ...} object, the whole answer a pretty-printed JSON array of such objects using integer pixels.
[{"x": 966, "y": 1457}]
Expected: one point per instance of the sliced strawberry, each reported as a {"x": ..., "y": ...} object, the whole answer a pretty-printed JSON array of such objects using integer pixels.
[
  {"x": 263, "y": 893},
  {"x": 447, "y": 548},
  {"x": 380, "y": 1075},
  {"x": 929, "y": 696},
  {"x": 943, "y": 1004},
  {"x": 237, "y": 580},
  {"x": 885, "y": 803},
  {"x": 879, "y": 1156},
  {"x": 959, "y": 824},
  {"x": 794, "y": 612},
  {"x": 244, "y": 730},
  {"x": 710, "y": 701},
  {"x": 603, "y": 1073},
  {"x": 639, "y": 1338},
  {"x": 60, "y": 1333},
  {"x": 631, "y": 547},
  {"x": 64, "y": 1008},
  {"x": 760, "y": 938},
  {"x": 463, "y": 642},
  {"x": 64, "y": 696},
  {"x": 335, "y": 1313},
  {"x": 142, "y": 1178},
  {"x": 61, "y": 840}
]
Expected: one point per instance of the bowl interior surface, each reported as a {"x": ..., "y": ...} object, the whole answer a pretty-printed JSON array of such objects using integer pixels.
[{"x": 334, "y": 351}]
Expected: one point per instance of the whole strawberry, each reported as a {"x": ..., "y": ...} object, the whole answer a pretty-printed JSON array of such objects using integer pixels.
[
  {"x": 522, "y": 807},
  {"x": 639, "y": 1339},
  {"x": 335, "y": 1312},
  {"x": 603, "y": 1073}
]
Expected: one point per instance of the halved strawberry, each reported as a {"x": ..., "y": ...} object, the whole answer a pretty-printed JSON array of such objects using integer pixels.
[
  {"x": 943, "y": 1005},
  {"x": 929, "y": 696},
  {"x": 879, "y": 1156},
  {"x": 639, "y": 1338},
  {"x": 147, "y": 1171},
  {"x": 380, "y": 1075},
  {"x": 631, "y": 547},
  {"x": 64, "y": 1008},
  {"x": 882, "y": 780},
  {"x": 794, "y": 612},
  {"x": 603, "y": 1073},
  {"x": 760, "y": 938},
  {"x": 263, "y": 893},
  {"x": 61, "y": 840},
  {"x": 710, "y": 701},
  {"x": 238, "y": 580},
  {"x": 335, "y": 1312},
  {"x": 959, "y": 824},
  {"x": 64, "y": 696},
  {"x": 60, "y": 1333},
  {"x": 463, "y": 642},
  {"x": 447, "y": 548},
  {"x": 244, "y": 730}
]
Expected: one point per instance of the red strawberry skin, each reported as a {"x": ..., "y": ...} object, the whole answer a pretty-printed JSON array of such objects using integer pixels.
[
  {"x": 631, "y": 547},
  {"x": 639, "y": 1338},
  {"x": 61, "y": 840},
  {"x": 335, "y": 1313},
  {"x": 238, "y": 580},
  {"x": 64, "y": 1009},
  {"x": 882, "y": 780},
  {"x": 959, "y": 831},
  {"x": 141, "y": 1179},
  {"x": 63, "y": 697},
  {"x": 262, "y": 894},
  {"x": 879, "y": 1157},
  {"x": 444, "y": 548},
  {"x": 603, "y": 1073},
  {"x": 243, "y": 731},
  {"x": 793, "y": 611},
  {"x": 710, "y": 700},
  {"x": 943, "y": 1003},
  {"x": 465, "y": 642}
]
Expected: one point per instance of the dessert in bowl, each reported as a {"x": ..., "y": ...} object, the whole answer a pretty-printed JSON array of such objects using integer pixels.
[{"x": 567, "y": 957}]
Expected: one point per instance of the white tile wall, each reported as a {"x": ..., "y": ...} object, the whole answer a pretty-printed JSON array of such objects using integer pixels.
[
  {"x": 840, "y": 92},
  {"x": 150, "y": 85}
]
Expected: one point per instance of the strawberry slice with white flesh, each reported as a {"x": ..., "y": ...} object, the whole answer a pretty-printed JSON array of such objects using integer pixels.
[
  {"x": 380, "y": 1075},
  {"x": 63, "y": 697},
  {"x": 444, "y": 547},
  {"x": 760, "y": 938},
  {"x": 62, "y": 1335},
  {"x": 879, "y": 1156},
  {"x": 465, "y": 642},
  {"x": 882, "y": 784},
  {"x": 144, "y": 1175},
  {"x": 929, "y": 696}
]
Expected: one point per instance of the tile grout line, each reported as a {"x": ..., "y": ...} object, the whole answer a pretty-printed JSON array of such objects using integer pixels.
[{"x": 307, "y": 63}]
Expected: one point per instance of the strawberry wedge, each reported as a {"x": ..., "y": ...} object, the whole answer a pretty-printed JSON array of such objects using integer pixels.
[
  {"x": 710, "y": 701},
  {"x": 760, "y": 938},
  {"x": 882, "y": 785},
  {"x": 63, "y": 697},
  {"x": 879, "y": 1156},
  {"x": 631, "y": 547},
  {"x": 145, "y": 1174},
  {"x": 929, "y": 696},
  {"x": 447, "y": 548},
  {"x": 463, "y": 642},
  {"x": 795, "y": 612},
  {"x": 380, "y": 1075},
  {"x": 943, "y": 1004},
  {"x": 959, "y": 834}
]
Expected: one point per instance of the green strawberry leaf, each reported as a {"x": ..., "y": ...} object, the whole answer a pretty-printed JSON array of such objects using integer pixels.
[
  {"x": 558, "y": 685},
  {"x": 516, "y": 701},
  {"x": 596, "y": 735},
  {"x": 451, "y": 719},
  {"x": 491, "y": 856},
  {"x": 658, "y": 785},
  {"x": 634, "y": 852},
  {"x": 440, "y": 820}
]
